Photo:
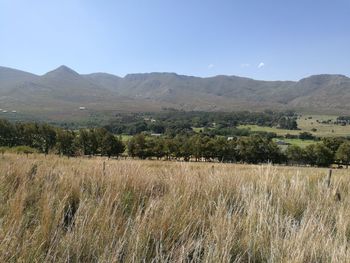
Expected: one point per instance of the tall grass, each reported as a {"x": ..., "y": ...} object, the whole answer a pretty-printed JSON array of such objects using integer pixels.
[{"x": 70, "y": 210}]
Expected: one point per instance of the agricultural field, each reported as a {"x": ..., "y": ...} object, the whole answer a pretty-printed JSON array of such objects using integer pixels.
[
  {"x": 309, "y": 122},
  {"x": 56, "y": 209},
  {"x": 298, "y": 142},
  {"x": 306, "y": 123},
  {"x": 279, "y": 132}
]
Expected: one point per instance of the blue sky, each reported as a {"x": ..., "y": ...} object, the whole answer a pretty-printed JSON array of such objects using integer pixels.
[{"x": 262, "y": 39}]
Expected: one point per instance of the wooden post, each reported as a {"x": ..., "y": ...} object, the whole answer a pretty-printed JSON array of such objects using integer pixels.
[
  {"x": 104, "y": 168},
  {"x": 329, "y": 178}
]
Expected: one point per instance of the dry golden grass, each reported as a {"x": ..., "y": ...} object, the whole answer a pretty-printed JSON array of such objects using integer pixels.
[{"x": 149, "y": 211}]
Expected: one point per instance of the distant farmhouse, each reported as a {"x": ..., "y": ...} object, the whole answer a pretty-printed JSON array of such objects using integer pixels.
[{"x": 156, "y": 134}]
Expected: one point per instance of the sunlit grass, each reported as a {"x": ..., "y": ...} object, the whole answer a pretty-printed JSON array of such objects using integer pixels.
[
  {"x": 298, "y": 142},
  {"x": 307, "y": 123},
  {"x": 73, "y": 210}
]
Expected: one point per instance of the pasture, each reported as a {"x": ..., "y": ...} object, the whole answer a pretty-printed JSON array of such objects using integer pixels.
[
  {"x": 298, "y": 142},
  {"x": 309, "y": 122},
  {"x": 279, "y": 132},
  {"x": 97, "y": 210}
]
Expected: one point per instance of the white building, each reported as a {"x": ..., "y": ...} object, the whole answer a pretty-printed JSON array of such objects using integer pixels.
[{"x": 156, "y": 134}]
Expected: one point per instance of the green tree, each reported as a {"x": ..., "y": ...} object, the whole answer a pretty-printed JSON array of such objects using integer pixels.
[
  {"x": 93, "y": 142},
  {"x": 82, "y": 141},
  {"x": 196, "y": 147},
  {"x": 318, "y": 154},
  {"x": 99, "y": 134},
  {"x": 295, "y": 154},
  {"x": 257, "y": 149},
  {"x": 333, "y": 143},
  {"x": 87, "y": 141},
  {"x": 137, "y": 146},
  {"x": 48, "y": 137},
  {"x": 343, "y": 153},
  {"x": 111, "y": 146},
  {"x": 65, "y": 143},
  {"x": 157, "y": 147},
  {"x": 8, "y": 134},
  {"x": 170, "y": 148},
  {"x": 306, "y": 136},
  {"x": 182, "y": 147},
  {"x": 226, "y": 150},
  {"x": 28, "y": 134},
  {"x": 208, "y": 148},
  {"x": 287, "y": 123}
]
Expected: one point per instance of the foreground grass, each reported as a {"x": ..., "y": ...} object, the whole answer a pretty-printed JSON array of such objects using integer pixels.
[{"x": 80, "y": 210}]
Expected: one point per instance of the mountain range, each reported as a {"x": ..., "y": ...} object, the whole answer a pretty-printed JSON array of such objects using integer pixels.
[{"x": 60, "y": 93}]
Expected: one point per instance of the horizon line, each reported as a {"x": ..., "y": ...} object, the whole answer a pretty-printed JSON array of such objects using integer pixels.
[{"x": 169, "y": 72}]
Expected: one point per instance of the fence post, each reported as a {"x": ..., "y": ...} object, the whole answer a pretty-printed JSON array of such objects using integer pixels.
[
  {"x": 104, "y": 168},
  {"x": 329, "y": 178}
]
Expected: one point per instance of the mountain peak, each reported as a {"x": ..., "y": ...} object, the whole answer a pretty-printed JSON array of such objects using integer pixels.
[
  {"x": 325, "y": 77},
  {"x": 62, "y": 70}
]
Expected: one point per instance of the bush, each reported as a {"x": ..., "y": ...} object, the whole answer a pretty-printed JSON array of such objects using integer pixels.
[
  {"x": 4, "y": 149},
  {"x": 18, "y": 149},
  {"x": 306, "y": 136},
  {"x": 23, "y": 150},
  {"x": 343, "y": 153},
  {"x": 319, "y": 154},
  {"x": 295, "y": 154},
  {"x": 291, "y": 136}
]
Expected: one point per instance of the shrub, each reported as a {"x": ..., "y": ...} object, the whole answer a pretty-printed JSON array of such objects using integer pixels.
[{"x": 23, "y": 150}]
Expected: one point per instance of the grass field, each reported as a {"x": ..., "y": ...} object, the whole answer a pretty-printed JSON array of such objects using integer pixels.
[
  {"x": 94, "y": 210},
  {"x": 298, "y": 142},
  {"x": 306, "y": 123},
  {"x": 279, "y": 132},
  {"x": 323, "y": 130}
]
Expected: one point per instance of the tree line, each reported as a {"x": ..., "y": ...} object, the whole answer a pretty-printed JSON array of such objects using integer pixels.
[
  {"x": 173, "y": 122},
  {"x": 46, "y": 138},
  {"x": 252, "y": 149},
  {"x": 99, "y": 141}
]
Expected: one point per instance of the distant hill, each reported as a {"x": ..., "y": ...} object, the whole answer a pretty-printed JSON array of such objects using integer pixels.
[{"x": 59, "y": 93}]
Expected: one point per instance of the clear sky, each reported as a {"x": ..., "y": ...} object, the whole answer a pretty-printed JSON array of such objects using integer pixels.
[{"x": 262, "y": 39}]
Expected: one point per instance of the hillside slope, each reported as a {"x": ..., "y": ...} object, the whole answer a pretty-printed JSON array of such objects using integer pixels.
[{"x": 60, "y": 93}]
